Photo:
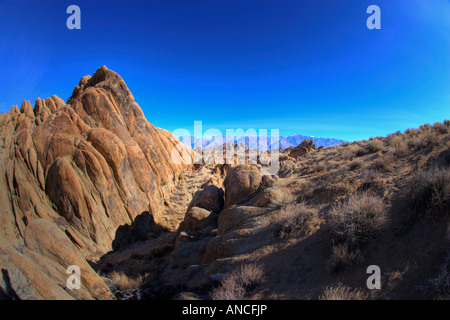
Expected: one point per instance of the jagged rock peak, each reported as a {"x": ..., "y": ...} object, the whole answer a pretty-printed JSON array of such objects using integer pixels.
[{"x": 94, "y": 163}]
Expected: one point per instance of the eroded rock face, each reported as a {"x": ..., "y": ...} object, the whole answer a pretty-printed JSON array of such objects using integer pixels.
[{"x": 96, "y": 162}]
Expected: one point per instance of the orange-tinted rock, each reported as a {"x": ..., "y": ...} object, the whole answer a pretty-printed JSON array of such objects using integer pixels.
[
  {"x": 303, "y": 148},
  {"x": 96, "y": 161},
  {"x": 27, "y": 109},
  {"x": 241, "y": 183}
]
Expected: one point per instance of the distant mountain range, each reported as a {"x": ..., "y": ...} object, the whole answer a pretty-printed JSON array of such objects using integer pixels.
[{"x": 257, "y": 142}]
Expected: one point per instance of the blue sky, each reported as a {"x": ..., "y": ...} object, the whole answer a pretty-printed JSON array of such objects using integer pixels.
[{"x": 309, "y": 67}]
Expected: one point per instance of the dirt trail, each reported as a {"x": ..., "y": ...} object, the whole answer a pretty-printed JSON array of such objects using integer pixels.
[{"x": 181, "y": 196}]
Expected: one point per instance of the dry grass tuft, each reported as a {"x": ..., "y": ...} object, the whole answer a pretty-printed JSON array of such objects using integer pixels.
[
  {"x": 342, "y": 292},
  {"x": 237, "y": 284},
  {"x": 355, "y": 164},
  {"x": 295, "y": 220},
  {"x": 230, "y": 289},
  {"x": 382, "y": 164},
  {"x": 283, "y": 198},
  {"x": 249, "y": 274},
  {"x": 124, "y": 282},
  {"x": 399, "y": 146},
  {"x": 343, "y": 256}
]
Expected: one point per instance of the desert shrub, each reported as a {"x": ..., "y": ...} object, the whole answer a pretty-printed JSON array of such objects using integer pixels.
[
  {"x": 447, "y": 123},
  {"x": 342, "y": 292},
  {"x": 320, "y": 167},
  {"x": 343, "y": 256},
  {"x": 332, "y": 164},
  {"x": 381, "y": 164},
  {"x": 230, "y": 289},
  {"x": 399, "y": 146},
  {"x": 427, "y": 139},
  {"x": 340, "y": 188},
  {"x": 373, "y": 186},
  {"x": 375, "y": 145},
  {"x": 360, "y": 151},
  {"x": 295, "y": 220},
  {"x": 284, "y": 197},
  {"x": 249, "y": 274},
  {"x": 429, "y": 192},
  {"x": 371, "y": 181},
  {"x": 123, "y": 282},
  {"x": 425, "y": 127},
  {"x": 439, "y": 127},
  {"x": 390, "y": 136},
  {"x": 237, "y": 284},
  {"x": 358, "y": 218},
  {"x": 355, "y": 164},
  {"x": 411, "y": 131},
  {"x": 350, "y": 152}
]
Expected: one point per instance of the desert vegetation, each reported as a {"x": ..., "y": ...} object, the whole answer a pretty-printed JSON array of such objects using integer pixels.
[
  {"x": 238, "y": 284},
  {"x": 297, "y": 219},
  {"x": 342, "y": 292},
  {"x": 358, "y": 218},
  {"x": 124, "y": 282},
  {"x": 429, "y": 192}
]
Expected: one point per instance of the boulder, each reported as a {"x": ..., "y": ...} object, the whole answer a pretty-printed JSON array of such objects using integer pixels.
[
  {"x": 241, "y": 183},
  {"x": 241, "y": 229},
  {"x": 198, "y": 219},
  {"x": 210, "y": 198}
]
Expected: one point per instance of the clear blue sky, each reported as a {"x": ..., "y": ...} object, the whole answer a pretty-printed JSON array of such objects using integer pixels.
[{"x": 309, "y": 67}]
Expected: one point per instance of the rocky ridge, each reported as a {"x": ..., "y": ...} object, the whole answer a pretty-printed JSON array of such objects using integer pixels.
[{"x": 72, "y": 174}]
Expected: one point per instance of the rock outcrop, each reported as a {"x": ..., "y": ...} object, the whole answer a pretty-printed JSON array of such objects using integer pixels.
[
  {"x": 303, "y": 148},
  {"x": 217, "y": 225},
  {"x": 83, "y": 169},
  {"x": 240, "y": 183}
]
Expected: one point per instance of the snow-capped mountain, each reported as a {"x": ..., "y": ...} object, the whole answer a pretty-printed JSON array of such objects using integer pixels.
[{"x": 258, "y": 142}]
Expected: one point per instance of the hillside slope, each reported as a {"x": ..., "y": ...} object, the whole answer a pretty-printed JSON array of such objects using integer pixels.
[{"x": 310, "y": 231}]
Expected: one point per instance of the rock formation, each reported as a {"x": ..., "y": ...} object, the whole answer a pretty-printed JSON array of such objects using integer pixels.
[
  {"x": 303, "y": 148},
  {"x": 71, "y": 175}
]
